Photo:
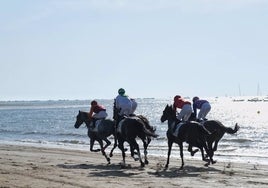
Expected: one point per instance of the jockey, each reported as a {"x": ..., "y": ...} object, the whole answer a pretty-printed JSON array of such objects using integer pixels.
[
  {"x": 203, "y": 106},
  {"x": 124, "y": 104},
  {"x": 185, "y": 106},
  {"x": 96, "y": 112}
]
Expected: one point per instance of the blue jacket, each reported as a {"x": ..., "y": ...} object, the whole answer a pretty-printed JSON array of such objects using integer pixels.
[{"x": 198, "y": 104}]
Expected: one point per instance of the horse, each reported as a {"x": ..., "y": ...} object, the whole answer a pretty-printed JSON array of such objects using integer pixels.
[
  {"x": 192, "y": 133},
  {"x": 128, "y": 129},
  {"x": 218, "y": 129},
  {"x": 105, "y": 128}
]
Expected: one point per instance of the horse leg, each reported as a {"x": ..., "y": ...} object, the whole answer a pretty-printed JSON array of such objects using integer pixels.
[
  {"x": 190, "y": 149},
  {"x": 121, "y": 147},
  {"x": 145, "y": 146},
  {"x": 92, "y": 141},
  {"x": 132, "y": 152},
  {"x": 181, "y": 154},
  {"x": 169, "y": 151},
  {"x": 215, "y": 145},
  {"x": 136, "y": 146},
  {"x": 103, "y": 151},
  {"x": 212, "y": 152},
  {"x": 107, "y": 143},
  {"x": 115, "y": 144},
  {"x": 209, "y": 152},
  {"x": 203, "y": 155}
]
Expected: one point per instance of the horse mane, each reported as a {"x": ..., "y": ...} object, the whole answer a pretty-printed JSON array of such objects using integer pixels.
[
  {"x": 172, "y": 110},
  {"x": 85, "y": 115}
]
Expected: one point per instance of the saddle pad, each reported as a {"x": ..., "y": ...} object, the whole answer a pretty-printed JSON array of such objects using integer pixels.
[{"x": 119, "y": 127}]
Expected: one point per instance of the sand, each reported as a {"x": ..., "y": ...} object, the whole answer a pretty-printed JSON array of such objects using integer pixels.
[{"x": 28, "y": 166}]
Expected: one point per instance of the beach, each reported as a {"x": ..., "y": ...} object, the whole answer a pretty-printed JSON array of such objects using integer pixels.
[{"x": 29, "y": 166}]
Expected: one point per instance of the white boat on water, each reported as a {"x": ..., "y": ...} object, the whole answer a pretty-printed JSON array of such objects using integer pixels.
[
  {"x": 238, "y": 100},
  {"x": 255, "y": 99}
]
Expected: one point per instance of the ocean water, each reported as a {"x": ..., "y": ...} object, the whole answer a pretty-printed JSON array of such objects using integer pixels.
[{"x": 51, "y": 124}]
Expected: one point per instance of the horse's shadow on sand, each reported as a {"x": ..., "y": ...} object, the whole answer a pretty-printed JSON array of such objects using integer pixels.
[
  {"x": 187, "y": 171},
  {"x": 111, "y": 170},
  {"x": 116, "y": 170}
]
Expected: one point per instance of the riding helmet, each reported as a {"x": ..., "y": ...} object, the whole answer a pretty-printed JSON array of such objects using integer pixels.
[
  {"x": 195, "y": 99},
  {"x": 177, "y": 97},
  {"x": 121, "y": 91},
  {"x": 94, "y": 102}
]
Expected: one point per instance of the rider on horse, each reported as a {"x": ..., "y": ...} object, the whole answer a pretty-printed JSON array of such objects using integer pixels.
[
  {"x": 124, "y": 104},
  {"x": 203, "y": 106},
  {"x": 96, "y": 112}
]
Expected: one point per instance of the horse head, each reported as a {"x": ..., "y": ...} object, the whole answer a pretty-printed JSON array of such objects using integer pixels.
[
  {"x": 168, "y": 113},
  {"x": 80, "y": 119}
]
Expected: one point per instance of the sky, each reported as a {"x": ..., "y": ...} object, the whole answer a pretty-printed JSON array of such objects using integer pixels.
[{"x": 88, "y": 49}]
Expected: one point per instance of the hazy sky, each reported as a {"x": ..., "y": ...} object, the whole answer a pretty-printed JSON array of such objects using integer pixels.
[{"x": 88, "y": 49}]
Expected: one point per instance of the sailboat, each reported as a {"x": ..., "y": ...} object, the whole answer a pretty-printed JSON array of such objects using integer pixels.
[
  {"x": 239, "y": 99},
  {"x": 256, "y": 99}
]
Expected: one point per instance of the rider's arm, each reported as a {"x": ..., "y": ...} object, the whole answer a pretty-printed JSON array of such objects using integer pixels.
[{"x": 90, "y": 113}]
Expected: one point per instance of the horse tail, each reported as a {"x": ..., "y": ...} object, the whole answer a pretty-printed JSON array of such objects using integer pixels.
[
  {"x": 149, "y": 133},
  {"x": 232, "y": 131},
  {"x": 147, "y": 128}
]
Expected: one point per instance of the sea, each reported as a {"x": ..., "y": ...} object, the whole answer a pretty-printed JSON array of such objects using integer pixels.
[{"x": 50, "y": 124}]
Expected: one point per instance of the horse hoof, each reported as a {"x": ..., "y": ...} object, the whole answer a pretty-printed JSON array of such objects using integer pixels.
[
  {"x": 193, "y": 152},
  {"x": 213, "y": 162},
  {"x": 111, "y": 155},
  {"x": 166, "y": 166},
  {"x": 136, "y": 159},
  {"x": 142, "y": 165},
  {"x": 146, "y": 162}
]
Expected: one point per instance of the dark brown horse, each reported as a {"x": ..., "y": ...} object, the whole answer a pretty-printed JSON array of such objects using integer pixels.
[
  {"x": 192, "y": 133},
  {"x": 106, "y": 128},
  {"x": 218, "y": 129},
  {"x": 130, "y": 128}
]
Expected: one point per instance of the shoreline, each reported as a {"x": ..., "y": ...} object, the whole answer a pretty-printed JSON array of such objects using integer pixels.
[
  {"x": 257, "y": 160},
  {"x": 30, "y": 166}
]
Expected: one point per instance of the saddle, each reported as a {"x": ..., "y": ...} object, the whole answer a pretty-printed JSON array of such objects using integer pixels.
[
  {"x": 121, "y": 121},
  {"x": 94, "y": 124}
]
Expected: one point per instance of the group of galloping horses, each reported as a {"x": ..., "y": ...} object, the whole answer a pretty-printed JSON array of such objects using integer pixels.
[{"x": 202, "y": 135}]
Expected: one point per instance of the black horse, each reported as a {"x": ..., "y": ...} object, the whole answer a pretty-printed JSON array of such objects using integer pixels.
[
  {"x": 106, "y": 128},
  {"x": 191, "y": 132},
  {"x": 218, "y": 129},
  {"x": 128, "y": 129}
]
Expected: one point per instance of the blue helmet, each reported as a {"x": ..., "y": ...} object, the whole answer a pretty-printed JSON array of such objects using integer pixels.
[{"x": 195, "y": 99}]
